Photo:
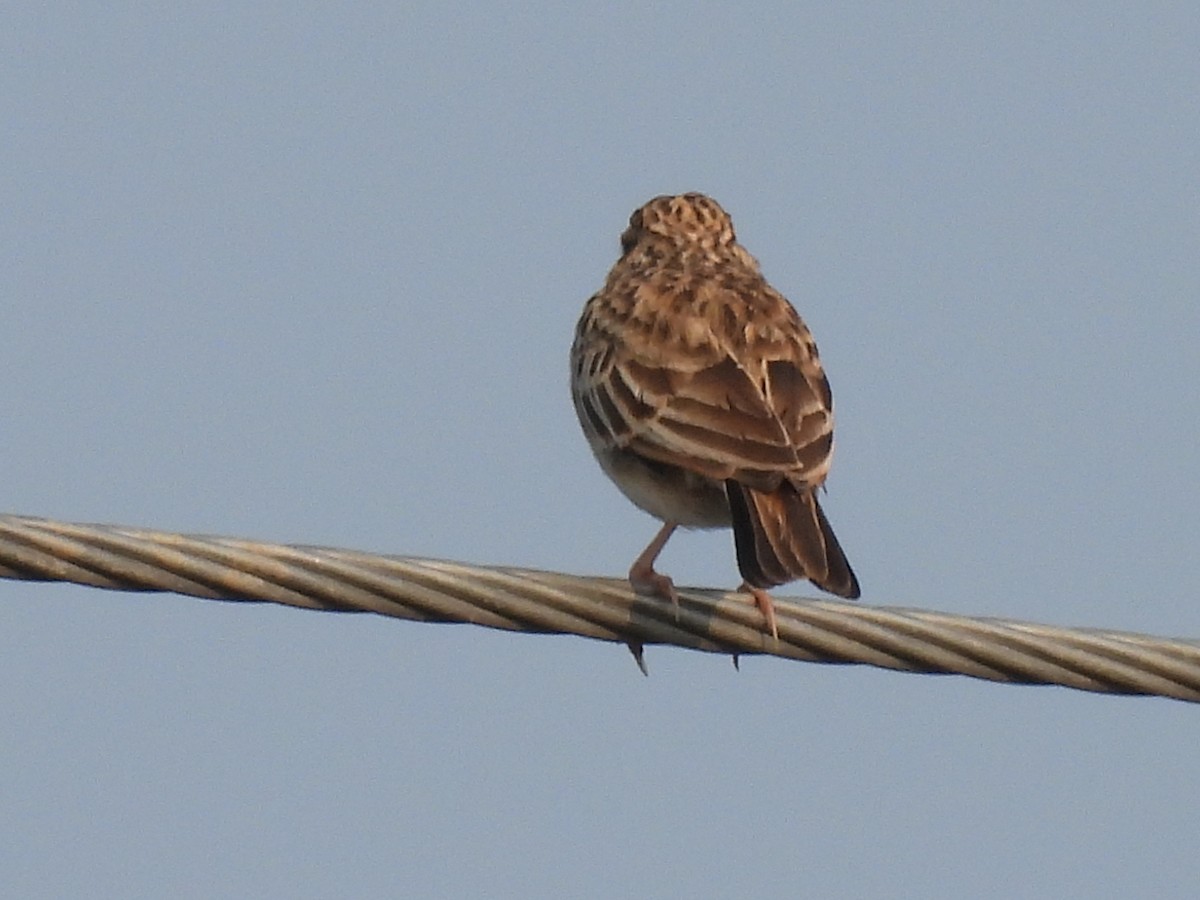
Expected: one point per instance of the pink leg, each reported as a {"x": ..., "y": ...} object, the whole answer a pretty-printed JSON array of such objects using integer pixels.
[
  {"x": 642, "y": 576},
  {"x": 763, "y": 601}
]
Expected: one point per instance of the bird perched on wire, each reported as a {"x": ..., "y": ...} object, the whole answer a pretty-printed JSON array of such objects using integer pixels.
[{"x": 702, "y": 396}]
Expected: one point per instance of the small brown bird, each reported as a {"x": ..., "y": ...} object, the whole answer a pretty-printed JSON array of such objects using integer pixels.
[{"x": 702, "y": 396}]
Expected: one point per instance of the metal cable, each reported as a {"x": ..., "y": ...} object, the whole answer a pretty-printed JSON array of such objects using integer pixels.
[{"x": 427, "y": 590}]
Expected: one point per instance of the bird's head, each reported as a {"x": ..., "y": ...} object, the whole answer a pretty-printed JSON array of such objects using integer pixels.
[{"x": 682, "y": 219}]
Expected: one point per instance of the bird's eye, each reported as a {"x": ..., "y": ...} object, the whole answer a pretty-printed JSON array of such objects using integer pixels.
[{"x": 629, "y": 238}]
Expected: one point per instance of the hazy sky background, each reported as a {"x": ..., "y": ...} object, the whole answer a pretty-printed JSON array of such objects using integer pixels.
[{"x": 309, "y": 274}]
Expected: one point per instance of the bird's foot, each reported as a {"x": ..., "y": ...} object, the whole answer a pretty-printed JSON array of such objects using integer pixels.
[
  {"x": 763, "y": 601},
  {"x": 644, "y": 580}
]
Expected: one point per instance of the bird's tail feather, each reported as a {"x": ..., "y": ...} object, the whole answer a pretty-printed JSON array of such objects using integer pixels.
[{"x": 783, "y": 535}]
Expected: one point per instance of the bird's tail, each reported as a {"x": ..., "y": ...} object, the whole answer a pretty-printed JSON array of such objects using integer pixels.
[{"x": 783, "y": 535}]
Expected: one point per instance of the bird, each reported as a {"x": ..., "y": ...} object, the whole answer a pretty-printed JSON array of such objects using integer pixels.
[{"x": 702, "y": 396}]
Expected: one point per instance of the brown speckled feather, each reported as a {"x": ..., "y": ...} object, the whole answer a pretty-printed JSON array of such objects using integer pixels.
[{"x": 702, "y": 395}]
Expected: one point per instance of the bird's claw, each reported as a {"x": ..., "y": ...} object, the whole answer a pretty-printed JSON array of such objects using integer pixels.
[
  {"x": 654, "y": 584},
  {"x": 639, "y": 656},
  {"x": 763, "y": 601}
]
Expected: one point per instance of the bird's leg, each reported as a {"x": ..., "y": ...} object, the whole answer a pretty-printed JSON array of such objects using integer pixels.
[
  {"x": 642, "y": 576},
  {"x": 763, "y": 601}
]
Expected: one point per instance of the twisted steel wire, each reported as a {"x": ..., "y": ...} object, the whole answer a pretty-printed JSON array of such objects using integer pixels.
[{"x": 427, "y": 590}]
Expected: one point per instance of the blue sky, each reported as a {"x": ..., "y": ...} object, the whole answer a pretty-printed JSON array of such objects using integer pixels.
[{"x": 309, "y": 274}]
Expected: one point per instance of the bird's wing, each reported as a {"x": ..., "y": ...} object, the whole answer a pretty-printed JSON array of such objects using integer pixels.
[{"x": 733, "y": 391}]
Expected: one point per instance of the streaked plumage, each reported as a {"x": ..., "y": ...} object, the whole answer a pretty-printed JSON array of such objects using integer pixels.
[{"x": 702, "y": 396}]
